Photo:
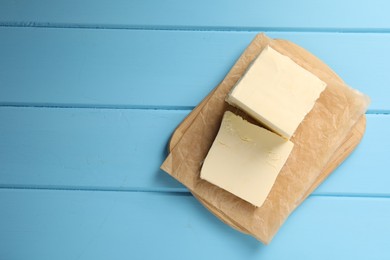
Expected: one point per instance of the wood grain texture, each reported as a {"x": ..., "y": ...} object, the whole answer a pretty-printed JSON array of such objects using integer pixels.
[
  {"x": 131, "y": 68},
  {"x": 85, "y": 148},
  {"x": 127, "y": 225},
  {"x": 236, "y": 15},
  {"x": 123, "y": 149}
]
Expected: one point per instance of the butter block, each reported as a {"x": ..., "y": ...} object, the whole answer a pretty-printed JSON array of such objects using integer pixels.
[
  {"x": 276, "y": 92},
  {"x": 245, "y": 159}
]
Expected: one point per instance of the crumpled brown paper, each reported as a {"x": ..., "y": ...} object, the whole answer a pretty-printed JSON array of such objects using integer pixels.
[{"x": 316, "y": 140}]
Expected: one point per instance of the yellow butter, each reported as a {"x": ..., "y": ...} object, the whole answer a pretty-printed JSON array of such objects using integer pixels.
[
  {"x": 276, "y": 92},
  {"x": 245, "y": 159}
]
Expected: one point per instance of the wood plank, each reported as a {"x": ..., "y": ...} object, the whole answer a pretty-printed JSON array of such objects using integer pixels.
[
  {"x": 135, "y": 68},
  {"x": 127, "y": 225},
  {"x": 123, "y": 149},
  {"x": 318, "y": 15},
  {"x": 87, "y": 148}
]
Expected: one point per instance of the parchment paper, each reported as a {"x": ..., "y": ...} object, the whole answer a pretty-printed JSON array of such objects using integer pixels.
[{"x": 316, "y": 139}]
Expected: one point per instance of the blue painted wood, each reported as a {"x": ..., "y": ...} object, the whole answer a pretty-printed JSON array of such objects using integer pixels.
[
  {"x": 278, "y": 14},
  {"x": 127, "y": 225},
  {"x": 123, "y": 148},
  {"x": 130, "y": 68},
  {"x": 86, "y": 148}
]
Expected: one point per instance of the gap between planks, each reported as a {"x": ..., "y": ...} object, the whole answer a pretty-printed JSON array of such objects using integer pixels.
[
  {"x": 193, "y": 28},
  {"x": 171, "y": 191},
  {"x": 136, "y": 107}
]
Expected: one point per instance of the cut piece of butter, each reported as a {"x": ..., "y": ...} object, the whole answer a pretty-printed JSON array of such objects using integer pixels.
[
  {"x": 245, "y": 159},
  {"x": 276, "y": 92}
]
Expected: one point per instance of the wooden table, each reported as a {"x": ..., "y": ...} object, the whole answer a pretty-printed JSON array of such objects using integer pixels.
[{"x": 90, "y": 92}]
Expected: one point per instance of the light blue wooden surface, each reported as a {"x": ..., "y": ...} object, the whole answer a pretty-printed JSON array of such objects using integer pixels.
[
  {"x": 138, "y": 68},
  {"x": 137, "y": 225},
  {"x": 90, "y": 92},
  {"x": 111, "y": 149},
  {"x": 220, "y": 14}
]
